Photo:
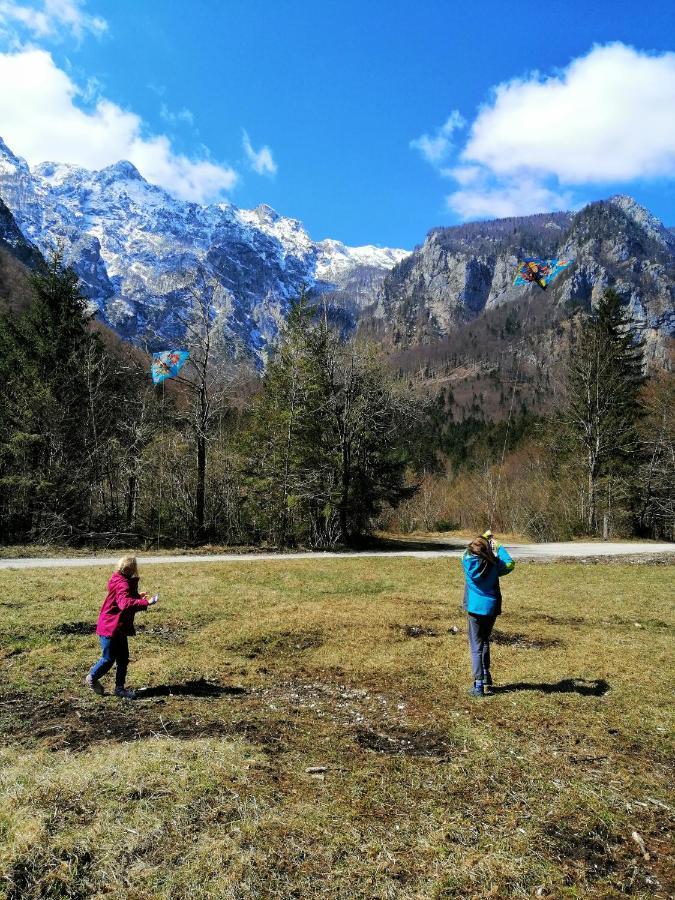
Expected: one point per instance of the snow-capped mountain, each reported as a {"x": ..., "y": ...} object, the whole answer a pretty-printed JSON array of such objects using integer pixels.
[{"x": 138, "y": 251}]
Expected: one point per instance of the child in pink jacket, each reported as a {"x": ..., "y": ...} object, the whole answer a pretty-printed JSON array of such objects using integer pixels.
[{"x": 116, "y": 623}]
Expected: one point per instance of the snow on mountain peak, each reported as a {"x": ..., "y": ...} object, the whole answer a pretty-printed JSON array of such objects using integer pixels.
[
  {"x": 265, "y": 213},
  {"x": 134, "y": 246},
  {"x": 9, "y": 161},
  {"x": 335, "y": 259},
  {"x": 120, "y": 171},
  {"x": 56, "y": 173}
]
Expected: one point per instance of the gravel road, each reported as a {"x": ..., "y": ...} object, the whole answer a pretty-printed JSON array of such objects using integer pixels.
[{"x": 518, "y": 551}]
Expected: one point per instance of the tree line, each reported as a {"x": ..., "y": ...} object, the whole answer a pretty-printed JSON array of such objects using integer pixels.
[
  {"x": 323, "y": 446},
  {"x": 603, "y": 464},
  {"x": 91, "y": 452}
]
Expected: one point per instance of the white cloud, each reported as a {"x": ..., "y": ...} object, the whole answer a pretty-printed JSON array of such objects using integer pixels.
[
  {"x": 182, "y": 116},
  {"x": 511, "y": 197},
  {"x": 607, "y": 117},
  {"x": 40, "y": 120},
  {"x": 260, "y": 161},
  {"x": 465, "y": 175},
  {"x": 50, "y": 19},
  {"x": 435, "y": 148}
]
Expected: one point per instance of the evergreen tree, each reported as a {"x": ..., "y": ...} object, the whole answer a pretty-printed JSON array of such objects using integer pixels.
[
  {"x": 328, "y": 439},
  {"x": 49, "y": 437},
  {"x": 604, "y": 377}
]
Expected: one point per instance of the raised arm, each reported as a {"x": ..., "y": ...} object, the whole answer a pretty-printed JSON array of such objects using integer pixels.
[{"x": 505, "y": 564}]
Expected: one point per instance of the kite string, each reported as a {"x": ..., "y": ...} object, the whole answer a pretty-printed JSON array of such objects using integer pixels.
[{"x": 495, "y": 495}]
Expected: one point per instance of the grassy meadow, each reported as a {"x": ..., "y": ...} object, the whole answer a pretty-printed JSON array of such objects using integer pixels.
[{"x": 256, "y": 673}]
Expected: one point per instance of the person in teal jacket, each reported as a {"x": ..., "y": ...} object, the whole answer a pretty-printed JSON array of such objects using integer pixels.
[{"x": 485, "y": 561}]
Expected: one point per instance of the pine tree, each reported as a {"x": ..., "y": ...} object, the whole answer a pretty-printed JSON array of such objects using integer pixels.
[
  {"x": 47, "y": 444},
  {"x": 328, "y": 440},
  {"x": 604, "y": 377}
]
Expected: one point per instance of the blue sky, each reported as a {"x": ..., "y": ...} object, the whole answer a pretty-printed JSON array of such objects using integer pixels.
[{"x": 370, "y": 121}]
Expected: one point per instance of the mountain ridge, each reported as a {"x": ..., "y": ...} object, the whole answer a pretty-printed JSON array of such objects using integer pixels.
[
  {"x": 461, "y": 272},
  {"x": 136, "y": 248},
  {"x": 137, "y": 251}
]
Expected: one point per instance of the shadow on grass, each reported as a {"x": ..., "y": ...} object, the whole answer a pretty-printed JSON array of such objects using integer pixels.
[
  {"x": 596, "y": 688},
  {"x": 199, "y": 688}
]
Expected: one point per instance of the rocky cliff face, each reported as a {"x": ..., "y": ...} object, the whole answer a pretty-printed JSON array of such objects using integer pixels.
[
  {"x": 12, "y": 241},
  {"x": 17, "y": 258},
  {"x": 137, "y": 251},
  {"x": 460, "y": 273}
]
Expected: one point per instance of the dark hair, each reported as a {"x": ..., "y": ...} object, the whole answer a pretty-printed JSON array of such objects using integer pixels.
[{"x": 480, "y": 547}]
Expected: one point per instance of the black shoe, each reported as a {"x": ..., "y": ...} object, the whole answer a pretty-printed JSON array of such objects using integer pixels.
[
  {"x": 95, "y": 686},
  {"x": 125, "y": 693}
]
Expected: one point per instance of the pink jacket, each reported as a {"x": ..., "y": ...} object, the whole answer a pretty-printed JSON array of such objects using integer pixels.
[{"x": 120, "y": 607}]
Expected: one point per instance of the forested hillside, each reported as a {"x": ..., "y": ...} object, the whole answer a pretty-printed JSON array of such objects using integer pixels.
[{"x": 347, "y": 431}]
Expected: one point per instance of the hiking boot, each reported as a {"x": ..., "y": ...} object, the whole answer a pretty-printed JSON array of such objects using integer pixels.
[
  {"x": 125, "y": 693},
  {"x": 477, "y": 690},
  {"x": 94, "y": 685}
]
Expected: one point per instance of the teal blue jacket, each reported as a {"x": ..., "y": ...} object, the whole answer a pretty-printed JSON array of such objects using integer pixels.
[{"x": 482, "y": 596}]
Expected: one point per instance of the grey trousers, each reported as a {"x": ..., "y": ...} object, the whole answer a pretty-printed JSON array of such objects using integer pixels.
[{"x": 480, "y": 629}]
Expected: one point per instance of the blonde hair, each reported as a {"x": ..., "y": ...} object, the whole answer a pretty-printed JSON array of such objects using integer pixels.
[{"x": 128, "y": 566}]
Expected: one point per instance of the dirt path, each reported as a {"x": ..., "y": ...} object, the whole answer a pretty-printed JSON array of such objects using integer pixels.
[{"x": 551, "y": 551}]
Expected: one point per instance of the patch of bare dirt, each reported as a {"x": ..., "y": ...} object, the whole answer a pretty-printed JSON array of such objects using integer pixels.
[
  {"x": 70, "y": 723},
  {"x": 278, "y": 643},
  {"x": 404, "y": 741},
  {"x": 602, "y": 855},
  {"x": 554, "y": 620},
  {"x": 199, "y": 688},
  {"x": 523, "y": 641},
  {"x": 29, "y": 874},
  {"x": 162, "y": 632},
  {"x": 70, "y": 628}
]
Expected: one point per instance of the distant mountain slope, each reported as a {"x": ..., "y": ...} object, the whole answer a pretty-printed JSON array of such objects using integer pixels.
[
  {"x": 12, "y": 240},
  {"x": 451, "y": 301},
  {"x": 461, "y": 273},
  {"x": 136, "y": 249},
  {"x": 451, "y": 314},
  {"x": 17, "y": 257}
]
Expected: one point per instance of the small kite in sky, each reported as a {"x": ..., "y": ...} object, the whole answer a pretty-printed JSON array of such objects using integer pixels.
[
  {"x": 167, "y": 364},
  {"x": 533, "y": 270}
]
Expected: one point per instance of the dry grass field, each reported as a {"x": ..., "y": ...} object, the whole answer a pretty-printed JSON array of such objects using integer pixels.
[{"x": 256, "y": 673}]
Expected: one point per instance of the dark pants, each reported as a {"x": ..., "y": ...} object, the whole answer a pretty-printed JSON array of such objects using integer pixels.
[
  {"x": 480, "y": 629},
  {"x": 115, "y": 650}
]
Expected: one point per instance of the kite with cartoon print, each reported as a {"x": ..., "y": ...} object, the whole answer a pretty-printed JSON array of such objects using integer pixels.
[
  {"x": 533, "y": 270},
  {"x": 167, "y": 364}
]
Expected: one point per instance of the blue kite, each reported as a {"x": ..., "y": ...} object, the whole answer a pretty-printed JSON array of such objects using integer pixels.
[
  {"x": 167, "y": 364},
  {"x": 533, "y": 270}
]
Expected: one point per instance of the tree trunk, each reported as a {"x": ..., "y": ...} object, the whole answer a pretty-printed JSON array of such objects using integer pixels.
[
  {"x": 131, "y": 500},
  {"x": 346, "y": 483},
  {"x": 591, "y": 499},
  {"x": 201, "y": 484}
]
